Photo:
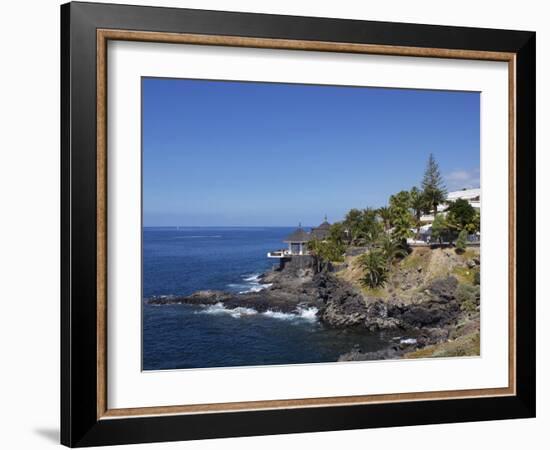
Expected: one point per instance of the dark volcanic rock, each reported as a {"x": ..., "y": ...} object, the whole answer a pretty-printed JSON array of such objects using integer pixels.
[
  {"x": 443, "y": 288},
  {"x": 208, "y": 297},
  {"x": 343, "y": 306},
  {"x": 391, "y": 352},
  {"x": 260, "y": 301}
]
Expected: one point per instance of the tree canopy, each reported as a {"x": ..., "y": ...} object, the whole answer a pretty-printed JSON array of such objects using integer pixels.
[
  {"x": 433, "y": 185},
  {"x": 400, "y": 215},
  {"x": 462, "y": 216},
  {"x": 362, "y": 226}
]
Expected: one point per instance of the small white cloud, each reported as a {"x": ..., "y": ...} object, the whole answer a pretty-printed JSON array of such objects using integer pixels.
[{"x": 462, "y": 179}]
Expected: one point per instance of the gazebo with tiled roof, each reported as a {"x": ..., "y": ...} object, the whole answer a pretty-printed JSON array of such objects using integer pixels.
[
  {"x": 297, "y": 241},
  {"x": 322, "y": 231}
]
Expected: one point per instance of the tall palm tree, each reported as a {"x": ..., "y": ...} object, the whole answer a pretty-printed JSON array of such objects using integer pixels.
[
  {"x": 385, "y": 214},
  {"x": 419, "y": 204},
  {"x": 370, "y": 228},
  {"x": 391, "y": 250}
]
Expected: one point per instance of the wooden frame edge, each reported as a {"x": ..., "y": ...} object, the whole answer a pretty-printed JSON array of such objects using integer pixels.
[
  {"x": 289, "y": 44},
  {"x": 101, "y": 223},
  {"x": 103, "y": 35}
]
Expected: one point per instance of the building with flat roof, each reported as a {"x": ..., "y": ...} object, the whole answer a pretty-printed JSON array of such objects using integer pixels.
[{"x": 473, "y": 196}]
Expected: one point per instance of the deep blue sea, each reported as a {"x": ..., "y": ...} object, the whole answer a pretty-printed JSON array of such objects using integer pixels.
[{"x": 180, "y": 261}]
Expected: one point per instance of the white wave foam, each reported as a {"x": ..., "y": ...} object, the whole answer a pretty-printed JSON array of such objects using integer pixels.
[
  {"x": 307, "y": 314},
  {"x": 252, "y": 277},
  {"x": 408, "y": 341},
  {"x": 279, "y": 315},
  {"x": 258, "y": 288},
  {"x": 302, "y": 314},
  {"x": 252, "y": 284},
  {"x": 220, "y": 309}
]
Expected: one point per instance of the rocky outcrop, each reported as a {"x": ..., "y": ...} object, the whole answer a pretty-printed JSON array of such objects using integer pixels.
[
  {"x": 344, "y": 305},
  {"x": 429, "y": 316},
  {"x": 286, "y": 290}
]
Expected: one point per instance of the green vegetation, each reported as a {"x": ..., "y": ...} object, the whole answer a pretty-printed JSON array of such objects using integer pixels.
[
  {"x": 391, "y": 250},
  {"x": 328, "y": 250},
  {"x": 462, "y": 216},
  {"x": 476, "y": 277},
  {"x": 468, "y": 297},
  {"x": 401, "y": 216},
  {"x": 461, "y": 242},
  {"x": 377, "y": 262},
  {"x": 467, "y": 345},
  {"x": 362, "y": 226},
  {"x": 384, "y": 214},
  {"x": 375, "y": 268},
  {"x": 419, "y": 204},
  {"x": 433, "y": 186},
  {"x": 377, "y": 292},
  {"x": 384, "y": 231},
  {"x": 464, "y": 274},
  {"x": 440, "y": 229}
]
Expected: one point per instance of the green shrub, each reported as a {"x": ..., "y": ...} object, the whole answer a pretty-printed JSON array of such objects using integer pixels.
[
  {"x": 476, "y": 278},
  {"x": 375, "y": 268},
  {"x": 468, "y": 297},
  {"x": 461, "y": 242}
]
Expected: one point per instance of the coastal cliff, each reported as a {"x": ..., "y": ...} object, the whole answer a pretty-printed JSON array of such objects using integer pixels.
[{"x": 428, "y": 307}]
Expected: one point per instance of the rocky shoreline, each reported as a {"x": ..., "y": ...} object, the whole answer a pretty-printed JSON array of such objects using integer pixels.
[{"x": 431, "y": 316}]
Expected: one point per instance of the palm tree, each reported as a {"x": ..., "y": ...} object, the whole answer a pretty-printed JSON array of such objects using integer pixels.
[
  {"x": 352, "y": 222},
  {"x": 391, "y": 249},
  {"x": 419, "y": 204},
  {"x": 374, "y": 268},
  {"x": 337, "y": 234},
  {"x": 402, "y": 221},
  {"x": 370, "y": 227},
  {"x": 385, "y": 214}
]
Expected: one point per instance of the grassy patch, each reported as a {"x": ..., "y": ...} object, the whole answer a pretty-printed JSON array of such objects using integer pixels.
[
  {"x": 465, "y": 274},
  {"x": 470, "y": 253},
  {"x": 412, "y": 261},
  {"x": 418, "y": 258},
  {"x": 463, "y": 346},
  {"x": 377, "y": 292},
  {"x": 468, "y": 297}
]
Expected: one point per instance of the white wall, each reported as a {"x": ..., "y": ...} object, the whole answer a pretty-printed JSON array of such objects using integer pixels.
[{"x": 29, "y": 224}]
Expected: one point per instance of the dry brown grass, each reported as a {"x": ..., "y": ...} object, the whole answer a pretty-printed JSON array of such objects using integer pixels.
[{"x": 463, "y": 346}]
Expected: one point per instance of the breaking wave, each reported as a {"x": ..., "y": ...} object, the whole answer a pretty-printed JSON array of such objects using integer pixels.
[
  {"x": 220, "y": 309},
  {"x": 307, "y": 314},
  {"x": 251, "y": 283},
  {"x": 303, "y": 314}
]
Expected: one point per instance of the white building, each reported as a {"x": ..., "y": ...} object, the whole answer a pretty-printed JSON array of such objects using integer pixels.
[{"x": 473, "y": 196}]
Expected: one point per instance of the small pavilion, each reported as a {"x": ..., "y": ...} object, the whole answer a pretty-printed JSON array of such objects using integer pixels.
[
  {"x": 297, "y": 241},
  {"x": 322, "y": 231}
]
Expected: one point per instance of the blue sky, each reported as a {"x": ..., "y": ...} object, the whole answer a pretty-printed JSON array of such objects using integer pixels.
[{"x": 219, "y": 153}]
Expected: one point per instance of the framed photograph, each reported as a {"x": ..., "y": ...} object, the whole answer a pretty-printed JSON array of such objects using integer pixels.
[{"x": 276, "y": 224}]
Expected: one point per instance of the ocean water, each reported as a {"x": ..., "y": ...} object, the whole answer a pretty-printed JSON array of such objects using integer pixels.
[{"x": 180, "y": 261}]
